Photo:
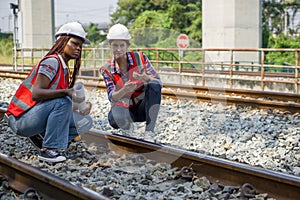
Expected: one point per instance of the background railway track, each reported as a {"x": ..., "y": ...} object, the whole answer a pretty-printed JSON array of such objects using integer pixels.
[
  {"x": 250, "y": 180},
  {"x": 197, "y": 71},
  {"x": 256, "y": 99}
]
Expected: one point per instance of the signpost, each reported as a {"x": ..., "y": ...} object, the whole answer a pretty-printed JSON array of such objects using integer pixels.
[{"x": 183, "y": 42}]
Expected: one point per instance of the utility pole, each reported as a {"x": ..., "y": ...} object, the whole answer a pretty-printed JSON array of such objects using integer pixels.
[{"x": 15, "y": 7}]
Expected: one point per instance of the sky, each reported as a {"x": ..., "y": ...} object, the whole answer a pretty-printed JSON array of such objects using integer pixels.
[{"x": 84, "y": 11}]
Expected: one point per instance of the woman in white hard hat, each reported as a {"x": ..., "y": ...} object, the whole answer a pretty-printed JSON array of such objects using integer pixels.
[
  {"x": 133, "y": 86},
  {"x": 41, "y": 108}
]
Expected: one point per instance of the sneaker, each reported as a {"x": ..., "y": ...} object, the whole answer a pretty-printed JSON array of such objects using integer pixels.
[
  {"x": 127, "y": 132},
  {"x": 37, "y": 141},
  {"x": 50, "y": 155},
  {"x": 149, "y": 136}
]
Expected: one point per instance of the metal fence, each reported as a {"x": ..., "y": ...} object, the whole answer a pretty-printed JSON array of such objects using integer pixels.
[{"x": 230, "y": 63}]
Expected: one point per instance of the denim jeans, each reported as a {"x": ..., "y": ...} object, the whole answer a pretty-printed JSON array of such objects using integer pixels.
[
  {"x": 147, "y": 110},
  {"x": 53, "y": 119}
]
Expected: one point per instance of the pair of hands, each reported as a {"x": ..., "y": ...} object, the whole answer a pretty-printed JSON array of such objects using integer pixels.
[{"x": 131, "y": 86}]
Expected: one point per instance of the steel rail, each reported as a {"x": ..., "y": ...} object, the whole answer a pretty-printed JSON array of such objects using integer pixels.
[
  {"x": 277, "y": 185},
  {"x": 22, "y": 176},
  {"x": 253, "y": 98},
  {"x": 227, "y": 72},
  {"x": 191, "y": 71}
]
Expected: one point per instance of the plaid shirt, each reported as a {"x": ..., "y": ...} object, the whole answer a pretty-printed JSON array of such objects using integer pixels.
[{"x": 110, "y": 85}]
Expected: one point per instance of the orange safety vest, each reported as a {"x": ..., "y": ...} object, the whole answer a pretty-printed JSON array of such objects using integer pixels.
[
  {"x": 22, "y": 100},
  {"x": 130, "y": 99}
]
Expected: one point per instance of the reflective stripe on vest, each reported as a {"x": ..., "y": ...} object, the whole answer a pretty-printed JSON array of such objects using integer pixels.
[
  {"x": 137, "y": 96},
  {"x": 22, "y": 100}
]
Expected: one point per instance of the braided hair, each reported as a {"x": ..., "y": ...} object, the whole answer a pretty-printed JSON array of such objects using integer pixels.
[{"x": 58, "y": 47}]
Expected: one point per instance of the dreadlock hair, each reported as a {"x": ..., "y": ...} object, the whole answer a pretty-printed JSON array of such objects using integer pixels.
[{"x": 58, "y": 47}]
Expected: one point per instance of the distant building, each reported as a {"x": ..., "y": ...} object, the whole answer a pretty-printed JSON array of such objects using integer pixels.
[
  {"x": 232, "y": 24},
  {"x": 36, "y": 23}
]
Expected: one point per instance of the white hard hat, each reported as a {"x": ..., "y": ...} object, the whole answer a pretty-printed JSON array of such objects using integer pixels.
[
  {"x": 118, "y": 32},
  {"x": 73, "y": 29}
]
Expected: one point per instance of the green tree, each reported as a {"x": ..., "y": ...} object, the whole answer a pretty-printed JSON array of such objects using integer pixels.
[
  {"x": 279, "y": 29},
  {"x": 94, "y": 35},
  {"x": 279, "y": 16},
  {"x": 284, "y": 42},
  {"x": 183, "y": 16},
  {"x": 150, "y": 28}
]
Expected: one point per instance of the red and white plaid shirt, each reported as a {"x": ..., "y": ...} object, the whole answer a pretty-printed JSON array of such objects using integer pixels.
[{"x": 110, "y": 85}]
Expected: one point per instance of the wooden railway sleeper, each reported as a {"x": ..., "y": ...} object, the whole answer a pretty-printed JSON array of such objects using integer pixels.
[{"x": 248, "y": 190}]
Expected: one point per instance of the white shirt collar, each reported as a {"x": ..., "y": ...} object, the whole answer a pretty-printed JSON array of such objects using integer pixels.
[{"x": 62, "y": 61}]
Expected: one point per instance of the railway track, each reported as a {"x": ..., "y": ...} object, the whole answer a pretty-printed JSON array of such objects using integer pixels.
[
  {"x": 256, "y": 99},
  {"x": 35, "y": 183},
  {"x": 253, "y": 180},
  {"x": 227, "y": 72},
  {"x": 197, "y": 71},
  {"x": 216, "y": 169}
]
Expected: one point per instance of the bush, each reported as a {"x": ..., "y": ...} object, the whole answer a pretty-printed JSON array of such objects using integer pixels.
[
  {"x": 285, "y": 42},
  {"x": 6, "y": 49}
]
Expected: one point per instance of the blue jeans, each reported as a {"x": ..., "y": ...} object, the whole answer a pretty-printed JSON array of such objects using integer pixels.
[
  {"x": 147, "y": 110},
  {"x": 53, "y": 119}
]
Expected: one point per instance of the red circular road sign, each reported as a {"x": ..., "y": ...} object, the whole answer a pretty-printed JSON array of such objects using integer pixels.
[{"x": 183, "y": 41}]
